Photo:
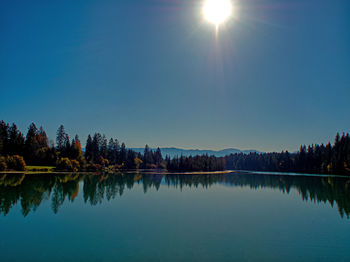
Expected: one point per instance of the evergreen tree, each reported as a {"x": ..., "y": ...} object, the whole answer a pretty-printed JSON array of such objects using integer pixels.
[
  {"x": 130, "y": 159},
  {"x": 112, "y": 151},
  {"x": 61, "y": 139},
  {"x": 42, "y": 138},
  {"x": 104, "y": 149},
  {"x": 3, "y": 137},
  {"x": 15, "y": 145},
  {"x": 147, "y": 157},
  {"x": 123, "y": 153},
  {"x": 96, "y": 147},
  {"x": 31, "y": 144},
  {"x": 66, "y": 151},
  {"x": 88, "y": 148},
  {"x": 158, "y": 157}
]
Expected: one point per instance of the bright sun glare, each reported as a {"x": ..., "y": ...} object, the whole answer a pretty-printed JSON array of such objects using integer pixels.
[{"x": 217, "y": 11}]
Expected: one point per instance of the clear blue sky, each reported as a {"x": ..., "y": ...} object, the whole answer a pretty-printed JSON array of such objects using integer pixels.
[{"x": 152, "y": 71}]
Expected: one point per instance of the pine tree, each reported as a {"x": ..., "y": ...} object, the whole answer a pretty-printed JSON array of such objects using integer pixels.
[
  {"x": 88, "y": 148},
  {"x": 15, "y": 141},
  {"x": 66, "y": 152},
  {"x": 104, "y": 150},
  {"x": 61, "y": 139},
  {"x": 130, "y": 160},
  {"x": 112, "y": 151},
  {"x": 123, "y": 153},
  {"x": 42, "y": 138},
  {"x": 158, "y": 157},
  {"x": 147, "y": 157},
  {"x": 96, "y": 147},
  {"x": 31, "y": 144},
  {"x": 117, "y": 151},
  {"x": 3, "y": 137}
]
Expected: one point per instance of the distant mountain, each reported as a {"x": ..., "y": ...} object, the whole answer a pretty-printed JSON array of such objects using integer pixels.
[{"x": 173, "y": 151}]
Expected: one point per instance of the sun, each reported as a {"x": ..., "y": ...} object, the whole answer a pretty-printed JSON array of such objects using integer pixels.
[{"x": 217, "y": 11}]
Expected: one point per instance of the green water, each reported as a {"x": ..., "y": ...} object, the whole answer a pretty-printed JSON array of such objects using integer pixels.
[{"x": 150, "y": 217}]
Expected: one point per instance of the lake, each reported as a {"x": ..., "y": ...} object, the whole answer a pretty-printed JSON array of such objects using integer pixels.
[{"x": 154, "y": 217}]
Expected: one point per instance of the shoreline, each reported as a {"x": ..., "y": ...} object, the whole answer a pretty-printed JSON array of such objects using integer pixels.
[
  {"x": 157, "y": 172},
  {"x": 165, "y": 172}
]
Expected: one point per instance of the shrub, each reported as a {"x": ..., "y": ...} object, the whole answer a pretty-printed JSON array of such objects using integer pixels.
[
  {"x": 137, "y": 162},
  {"x": 101, "y": 161},
  {"x": 3, "y": 165},
  {"x": 16, "y": 162},
  {"x": 64, "y": 164},
  {"x": 82, "y": 162},
  {"x": 75, "y": 165},
  {"x": 151, "y": 166},
  {"x": 98, "y": 167},
  {"x": 90, "y": 167}
]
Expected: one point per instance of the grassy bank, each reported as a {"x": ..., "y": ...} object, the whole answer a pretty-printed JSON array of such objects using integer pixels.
[{"x": 40, "y": 168}]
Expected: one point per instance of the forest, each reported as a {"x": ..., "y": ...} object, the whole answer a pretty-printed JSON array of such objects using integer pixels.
[{"x": 19, "y": 151}]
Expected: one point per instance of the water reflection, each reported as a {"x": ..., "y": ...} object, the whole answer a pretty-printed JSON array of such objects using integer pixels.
[{"x": 31, "y": 190}]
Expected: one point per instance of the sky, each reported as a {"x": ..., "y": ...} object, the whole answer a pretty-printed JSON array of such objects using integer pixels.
[{"x": 276, "y": 74}]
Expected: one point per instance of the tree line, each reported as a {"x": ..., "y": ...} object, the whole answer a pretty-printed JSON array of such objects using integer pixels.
[
  {"x": 321, "y": 159},
  {"x": 35, "y": 149}
]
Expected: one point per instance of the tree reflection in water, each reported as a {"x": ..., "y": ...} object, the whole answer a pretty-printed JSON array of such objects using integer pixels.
[{"x": 31, "y": 190}]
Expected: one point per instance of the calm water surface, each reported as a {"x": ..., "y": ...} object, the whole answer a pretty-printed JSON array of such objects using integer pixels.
[{"x": 152, "y": 217}]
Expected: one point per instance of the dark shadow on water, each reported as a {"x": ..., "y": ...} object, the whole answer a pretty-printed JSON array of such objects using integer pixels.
[{"x": 31, "y": 190}]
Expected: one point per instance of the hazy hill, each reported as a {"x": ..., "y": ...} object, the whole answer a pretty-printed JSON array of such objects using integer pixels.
[{"x": 173, "y": 151}]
